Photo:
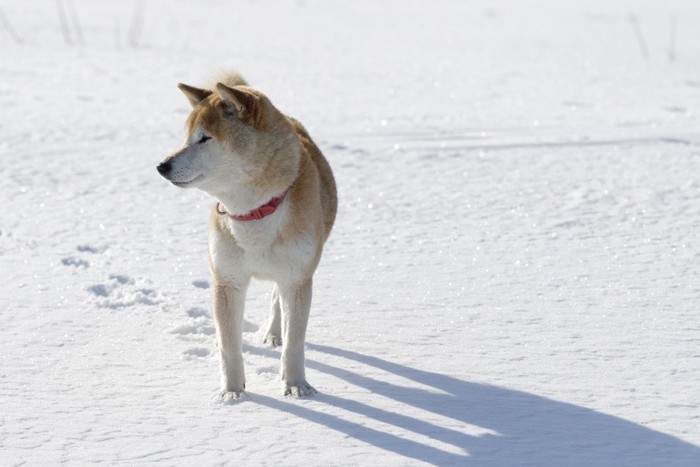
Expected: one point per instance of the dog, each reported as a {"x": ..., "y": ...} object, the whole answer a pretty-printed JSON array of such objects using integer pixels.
[{"x": 276, "y": 205}]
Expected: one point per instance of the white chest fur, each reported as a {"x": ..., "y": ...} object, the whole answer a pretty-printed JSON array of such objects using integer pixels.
[{"x": 256, "y": 249}]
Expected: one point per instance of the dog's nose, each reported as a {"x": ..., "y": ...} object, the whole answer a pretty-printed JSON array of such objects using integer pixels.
[{"x": 164, "y": 168}]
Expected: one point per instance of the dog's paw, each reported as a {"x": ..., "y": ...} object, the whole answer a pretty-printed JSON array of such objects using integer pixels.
[
  {"x": 274, "y": 341},
  {"x": 230, "y": 397},
  {"x": 299, "y": 390}
]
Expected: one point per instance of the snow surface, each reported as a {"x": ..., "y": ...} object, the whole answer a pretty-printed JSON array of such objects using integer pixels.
[{"x": 512, "y": 279}]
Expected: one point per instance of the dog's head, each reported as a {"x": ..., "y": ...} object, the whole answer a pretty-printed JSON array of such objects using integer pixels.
[{"x": 236, "y": 141}]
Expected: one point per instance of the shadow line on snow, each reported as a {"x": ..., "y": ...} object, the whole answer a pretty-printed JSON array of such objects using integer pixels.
[
  {"x": 532, "y": 430},
  {"x": 465, "y": 144}
]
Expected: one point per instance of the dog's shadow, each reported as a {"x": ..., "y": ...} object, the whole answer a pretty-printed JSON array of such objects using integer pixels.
[{"x": 530, "y": 430}]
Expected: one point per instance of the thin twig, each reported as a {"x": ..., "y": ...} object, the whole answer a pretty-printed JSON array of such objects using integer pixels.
[
  {"x": 117, "y": 39},
  {"x": 8, "y": 27},
  {"x": 64, "y": 22},
  {"x": 640, "y": 37},
  {"x": 136, "y": 24},
  {"x": 672, "y": 41},
  {"x": 76, "y": 22}
]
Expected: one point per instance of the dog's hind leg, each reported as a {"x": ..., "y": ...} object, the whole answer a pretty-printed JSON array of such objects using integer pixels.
[
  {"x": 229, "y": 301},
  {"x": 296, "y": 304},
  {"x": 273, "y": 335}
]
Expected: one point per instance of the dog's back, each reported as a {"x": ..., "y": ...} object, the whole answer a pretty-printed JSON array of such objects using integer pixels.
[
  {"x": 329, "y": 196},
  {"x": 230, "y": 78}
]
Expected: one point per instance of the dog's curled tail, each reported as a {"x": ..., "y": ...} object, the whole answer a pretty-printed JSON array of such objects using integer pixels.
[{"x": 230, "y": 78}]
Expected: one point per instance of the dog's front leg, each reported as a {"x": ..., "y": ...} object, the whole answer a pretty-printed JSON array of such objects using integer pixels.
[
  {"x": 296, "y": 303},
  {"x": 229, "y": 301}
]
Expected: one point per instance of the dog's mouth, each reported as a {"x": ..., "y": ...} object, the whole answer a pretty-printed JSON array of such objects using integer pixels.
[{"x": 184, "y": 184}]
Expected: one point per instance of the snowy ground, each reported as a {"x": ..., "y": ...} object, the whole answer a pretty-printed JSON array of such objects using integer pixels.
[{"x": 513, "y": 278}]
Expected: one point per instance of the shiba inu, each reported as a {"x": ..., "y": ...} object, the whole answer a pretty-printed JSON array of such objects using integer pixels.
[{"x": 276, "y": 204}]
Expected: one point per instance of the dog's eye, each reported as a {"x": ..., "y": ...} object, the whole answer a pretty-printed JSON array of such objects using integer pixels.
[{"x": 204, "y": 138}]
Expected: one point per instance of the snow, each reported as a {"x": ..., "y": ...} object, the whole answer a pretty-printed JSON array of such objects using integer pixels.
[{"x": 512, "y": 278}]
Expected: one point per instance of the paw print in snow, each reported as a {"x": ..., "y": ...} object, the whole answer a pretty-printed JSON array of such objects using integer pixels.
[
  {"x": 121, "y": 291},
  {"x": 80, "y": 261}
]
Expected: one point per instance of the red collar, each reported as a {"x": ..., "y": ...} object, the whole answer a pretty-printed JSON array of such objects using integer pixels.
[{"x": 263, "y": 211}]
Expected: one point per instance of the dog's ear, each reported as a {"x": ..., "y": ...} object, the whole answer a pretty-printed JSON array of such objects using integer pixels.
[
  {"x": 246, "y": 103},
  {"x": 194, "y": 95}
]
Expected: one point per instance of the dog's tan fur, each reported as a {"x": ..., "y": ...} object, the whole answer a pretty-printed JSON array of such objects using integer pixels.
[{"x": 244, "y": 152}]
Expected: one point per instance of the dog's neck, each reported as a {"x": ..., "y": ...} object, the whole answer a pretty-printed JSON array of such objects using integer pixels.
[{"x": 258, "y": 213}]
